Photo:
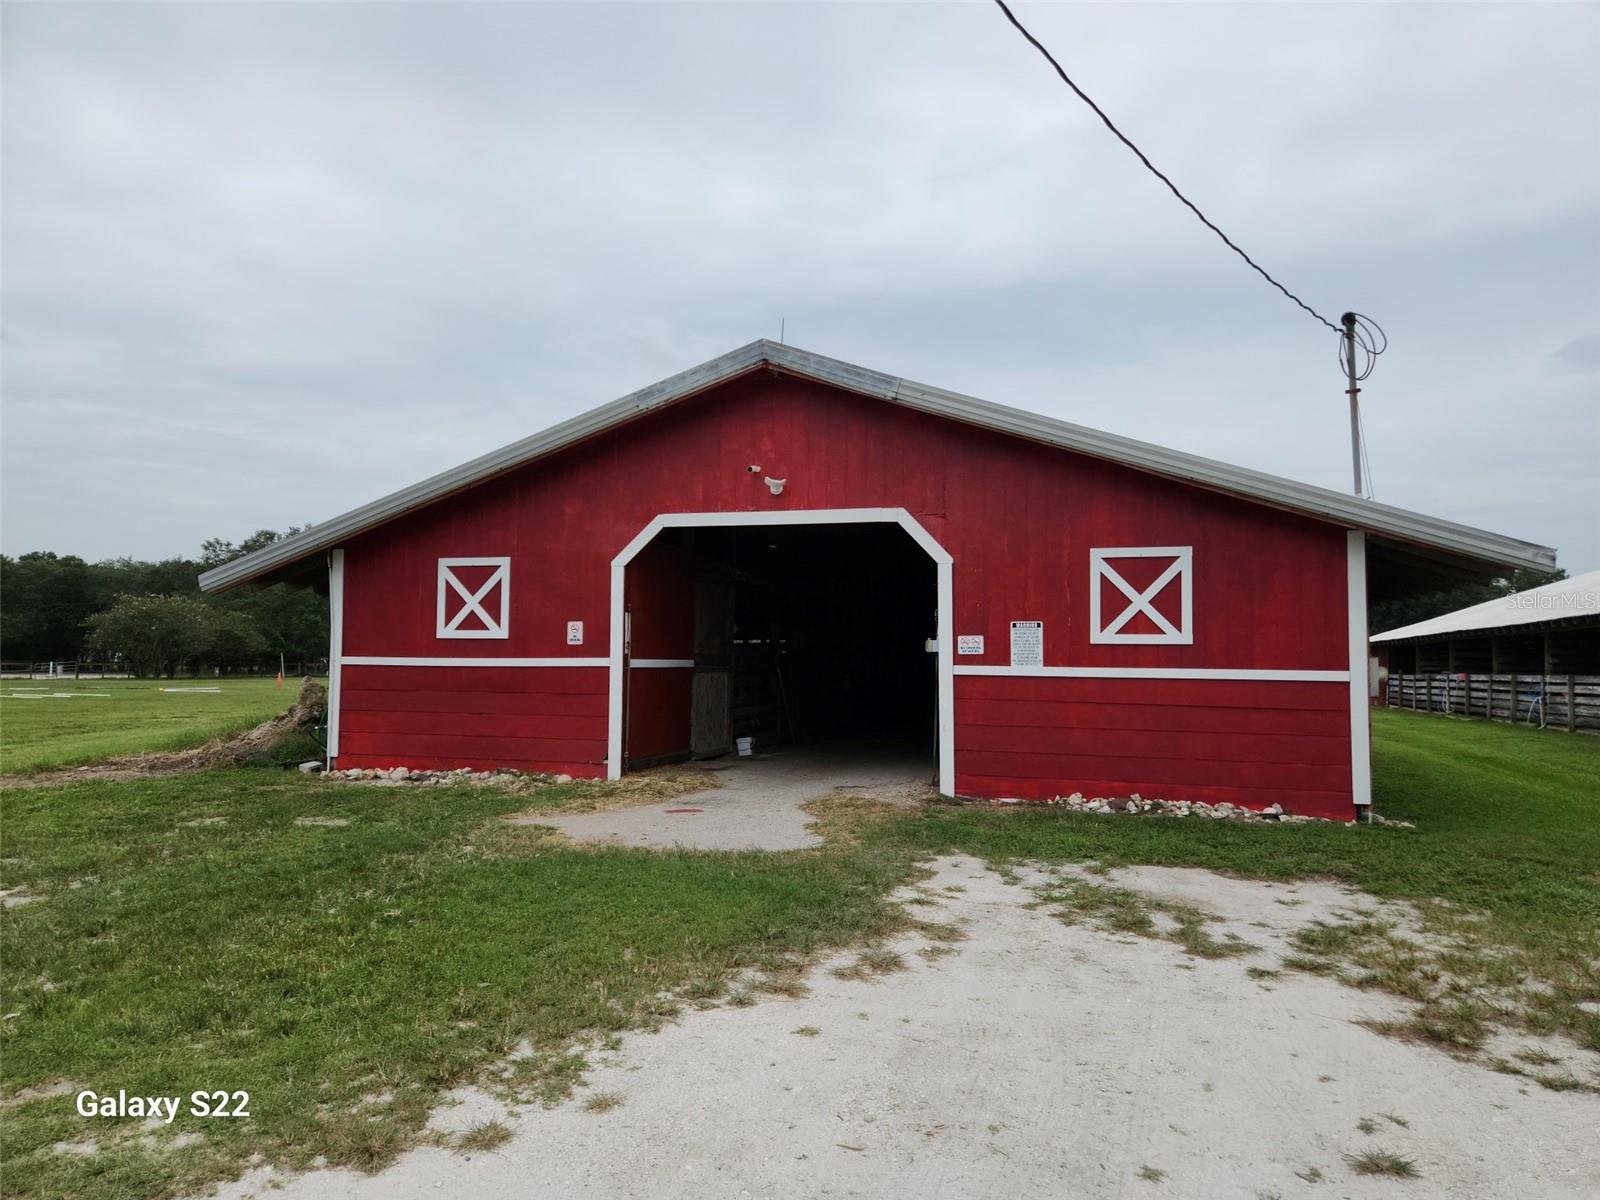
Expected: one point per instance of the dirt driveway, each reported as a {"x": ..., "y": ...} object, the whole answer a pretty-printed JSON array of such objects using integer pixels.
[
  {"x": 1032, "y": 1059},
  {"x": 758, "y": 805}
]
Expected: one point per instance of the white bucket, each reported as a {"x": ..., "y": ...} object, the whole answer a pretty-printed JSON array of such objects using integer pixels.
[{"x": 745, "y": 746}]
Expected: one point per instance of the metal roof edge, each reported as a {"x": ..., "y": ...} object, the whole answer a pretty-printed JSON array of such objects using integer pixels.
[
  {"x": 1351, "y": 511},
  {"x": 597, "y": 420},
  {"x": 1459, "y": 622}
]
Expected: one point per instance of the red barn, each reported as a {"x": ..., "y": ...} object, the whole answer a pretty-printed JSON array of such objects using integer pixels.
[{"x": 784, "y": 546}]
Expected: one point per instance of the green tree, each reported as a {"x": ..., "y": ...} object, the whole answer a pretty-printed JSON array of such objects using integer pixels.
[
  {"x": 153, "y": 635},
  {"x": 293, "y": 620},
  {"x": 47, "y": 601},
  {"x": 44, "y": 600},
  {"x": 233, "y": 641}
]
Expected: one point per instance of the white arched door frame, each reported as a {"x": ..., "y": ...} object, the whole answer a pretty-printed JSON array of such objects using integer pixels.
[{"x": 944, "y": 567}]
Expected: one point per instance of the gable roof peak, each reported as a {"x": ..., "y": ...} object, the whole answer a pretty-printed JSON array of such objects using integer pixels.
[{"x": 1339, "y": 508}]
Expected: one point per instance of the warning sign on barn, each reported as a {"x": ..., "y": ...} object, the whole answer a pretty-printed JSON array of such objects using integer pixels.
[{"x": 1027, "y": 643}]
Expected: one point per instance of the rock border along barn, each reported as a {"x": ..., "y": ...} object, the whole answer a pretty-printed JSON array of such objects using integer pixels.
[{"x": 1083, "y": 612}]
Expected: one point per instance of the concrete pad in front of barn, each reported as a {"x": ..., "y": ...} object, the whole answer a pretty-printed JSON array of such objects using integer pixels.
[
  {"x": 760, "y": 803},
  {"x": 1032, "y": 1059}
]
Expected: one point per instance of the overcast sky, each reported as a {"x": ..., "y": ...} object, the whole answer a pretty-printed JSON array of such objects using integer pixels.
[{"x": 263, "y": 264}]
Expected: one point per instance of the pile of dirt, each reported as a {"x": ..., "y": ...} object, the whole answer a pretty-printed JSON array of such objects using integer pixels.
[{"x": 252, "y": 745}]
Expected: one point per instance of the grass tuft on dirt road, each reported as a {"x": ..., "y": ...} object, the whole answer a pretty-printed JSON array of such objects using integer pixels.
[{"x": 1502, "y": 865}]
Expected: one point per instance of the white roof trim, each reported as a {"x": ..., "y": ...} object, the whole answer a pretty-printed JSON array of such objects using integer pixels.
[
  {"x": 1348, "y": 511},
  {"x": 1558, "y": 601}
]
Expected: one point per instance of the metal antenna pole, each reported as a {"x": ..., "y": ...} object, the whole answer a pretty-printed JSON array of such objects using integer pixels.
[{"x": 1354, "y": 391}]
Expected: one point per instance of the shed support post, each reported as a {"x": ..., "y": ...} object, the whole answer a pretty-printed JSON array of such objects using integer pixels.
[{"x": 1544, "y": 686}]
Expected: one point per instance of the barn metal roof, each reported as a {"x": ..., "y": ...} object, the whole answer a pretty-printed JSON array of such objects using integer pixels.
[
  {"x": 1562, "y": 600},
  {"x": 1348, "y": 511}
]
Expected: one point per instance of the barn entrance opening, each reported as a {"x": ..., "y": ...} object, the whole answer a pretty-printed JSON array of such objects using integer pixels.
[{"x": 812, "y": 636}]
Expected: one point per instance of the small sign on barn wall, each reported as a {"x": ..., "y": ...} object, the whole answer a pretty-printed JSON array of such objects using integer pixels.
[
  {"x": 969, "y": 643},
  {"x": 574, "y": 633},
  {"x": 1027, "y": 643}
]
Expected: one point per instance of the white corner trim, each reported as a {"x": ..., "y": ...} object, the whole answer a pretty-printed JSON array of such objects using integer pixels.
[
  {"x": 1249, "y": 674},
  {"x": 661, "y": 663},
  {"x": 945, "y": 582},
  {"x": 1360, "y": 705},
  {"x": 1109, "y": 633},
  {"x": 335, "y": 648},
  {"x": 379, "y": 660},
  {"x": 619, "y": 646},
  {"x": 944, "y": 569},
  {"x": 472, "y": 601}
]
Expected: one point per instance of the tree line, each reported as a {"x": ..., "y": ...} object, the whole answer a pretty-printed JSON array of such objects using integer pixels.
[{"x": 151, "y": 617}]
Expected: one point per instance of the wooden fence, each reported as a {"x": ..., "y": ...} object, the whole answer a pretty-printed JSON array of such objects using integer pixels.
[{"x": 1569, "y": 702}]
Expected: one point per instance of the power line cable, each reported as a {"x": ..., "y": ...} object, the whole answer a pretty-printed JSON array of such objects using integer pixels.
[
  {"x": 1366, "y": 462},
  {"x": 1151, "y": 167},
  {"x": 1371, "y": 340}
]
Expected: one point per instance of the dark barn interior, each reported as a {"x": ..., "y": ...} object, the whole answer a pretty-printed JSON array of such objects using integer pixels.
[{"x": 830, "y": 625}]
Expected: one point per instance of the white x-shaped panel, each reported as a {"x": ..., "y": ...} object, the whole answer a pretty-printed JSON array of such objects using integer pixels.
[
  {"x": 483, "y": 609},
  {"x": 1172, "y": 629}
]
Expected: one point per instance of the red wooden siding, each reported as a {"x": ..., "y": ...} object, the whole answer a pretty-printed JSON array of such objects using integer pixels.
[
  {"x": 1236, "y": 740},
  {"x": 532, "y": 718},
  {"x": 1019, "y": 520}
]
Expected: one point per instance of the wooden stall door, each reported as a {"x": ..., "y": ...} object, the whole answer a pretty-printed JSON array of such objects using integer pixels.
[{"x": 710, "y": 711}]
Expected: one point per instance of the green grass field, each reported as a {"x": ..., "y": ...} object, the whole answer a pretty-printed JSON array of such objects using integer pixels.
[
  {"x": 189, "y": 933},
  {"x": 102, "y": 718}
]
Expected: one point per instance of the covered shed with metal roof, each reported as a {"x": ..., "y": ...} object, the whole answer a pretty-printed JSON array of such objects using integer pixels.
[{"x": 1530, "y": 656}]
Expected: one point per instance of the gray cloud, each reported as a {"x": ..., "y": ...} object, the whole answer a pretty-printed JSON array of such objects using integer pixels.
[
  {"x": 263, "y": 263},
  {"x": 1580, "y": 354}
]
